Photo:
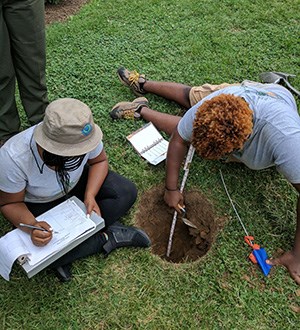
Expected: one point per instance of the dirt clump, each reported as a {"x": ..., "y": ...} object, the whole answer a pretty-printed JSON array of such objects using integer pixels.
[
  {"x": 189, "y": 244},
  {"x": 63, "y": 10}
]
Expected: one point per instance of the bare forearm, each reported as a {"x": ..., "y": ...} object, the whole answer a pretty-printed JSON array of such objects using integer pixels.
[
  {"x": 97, "y": 175},
  {"x": 176, "y": 152},
  {"x": 17, "y": 213}
]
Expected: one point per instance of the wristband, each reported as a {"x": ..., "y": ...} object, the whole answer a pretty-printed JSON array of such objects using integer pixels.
[{"x": 170, "y": 189}]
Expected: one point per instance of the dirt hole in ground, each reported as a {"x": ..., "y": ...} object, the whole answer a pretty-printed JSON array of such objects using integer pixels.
[{"x": 189, "y": 244}]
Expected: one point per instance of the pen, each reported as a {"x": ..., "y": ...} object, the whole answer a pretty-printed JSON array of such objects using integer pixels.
[{"x": 34, "y": 227}]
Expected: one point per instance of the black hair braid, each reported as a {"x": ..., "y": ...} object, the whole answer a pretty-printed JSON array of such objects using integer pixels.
[{"x": 63, "y": 165}]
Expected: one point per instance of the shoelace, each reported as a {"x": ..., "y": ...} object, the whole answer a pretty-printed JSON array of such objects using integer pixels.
[
  {"x": 131, "y": 114},
  {"x": 128, "y": 114},
  {"x": 133, "y": 77}
]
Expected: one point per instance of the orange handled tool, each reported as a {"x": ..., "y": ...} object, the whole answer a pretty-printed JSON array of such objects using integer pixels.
[{"x": 258, "y": 254}]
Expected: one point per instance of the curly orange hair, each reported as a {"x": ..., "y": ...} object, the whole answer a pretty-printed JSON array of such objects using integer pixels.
[{"x": 222, "y": 125}]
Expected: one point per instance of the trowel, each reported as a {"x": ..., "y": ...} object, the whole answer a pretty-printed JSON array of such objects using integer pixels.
[{"x": 185, "y": 220}]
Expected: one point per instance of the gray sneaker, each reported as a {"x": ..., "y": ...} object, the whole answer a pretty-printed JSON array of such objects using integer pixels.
[
  {"x": 129, "y": 110},
  {"x": 133, "y": 80}
]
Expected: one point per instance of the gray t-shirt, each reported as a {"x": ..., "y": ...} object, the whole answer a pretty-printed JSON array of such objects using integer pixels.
[
  {"x": 275, "y": 139},
  {"x": 19, "y": 169}
]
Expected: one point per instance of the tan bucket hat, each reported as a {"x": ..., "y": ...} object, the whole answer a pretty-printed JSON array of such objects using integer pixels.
[{"x": 68, "y": 128}]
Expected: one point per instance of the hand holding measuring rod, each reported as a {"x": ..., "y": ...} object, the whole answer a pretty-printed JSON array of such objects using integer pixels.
[{"x": 186, "y": 168}]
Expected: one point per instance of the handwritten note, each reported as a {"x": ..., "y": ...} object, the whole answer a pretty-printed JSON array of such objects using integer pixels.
[
  {"x": 67, "y": 219},
  {"x": 149, "y": 143}
]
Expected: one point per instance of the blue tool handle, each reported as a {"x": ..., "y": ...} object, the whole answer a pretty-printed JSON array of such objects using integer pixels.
[{"x": 261, "y": 257}]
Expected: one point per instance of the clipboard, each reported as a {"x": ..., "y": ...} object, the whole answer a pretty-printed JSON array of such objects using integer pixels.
[{"x": 32, "y": 270}]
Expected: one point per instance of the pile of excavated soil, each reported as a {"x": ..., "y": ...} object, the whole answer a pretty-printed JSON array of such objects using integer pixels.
[
  {"x": 189, "y": 244},
  {"x": 63, "y": 10}
]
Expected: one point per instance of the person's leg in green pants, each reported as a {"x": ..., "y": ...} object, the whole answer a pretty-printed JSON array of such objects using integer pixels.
[
  {"x": 9, "y": 118},
  {"x": 22, "y": 53}
]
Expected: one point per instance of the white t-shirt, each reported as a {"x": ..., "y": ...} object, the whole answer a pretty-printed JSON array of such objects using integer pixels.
[
  {"x": 19, "y": 169},
  {"x": 275, "y": 139}
]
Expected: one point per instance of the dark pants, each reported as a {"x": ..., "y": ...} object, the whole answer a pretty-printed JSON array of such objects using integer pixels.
[
  {"x": 115, "y": 198},
  {"x": 22, "y": 56}
]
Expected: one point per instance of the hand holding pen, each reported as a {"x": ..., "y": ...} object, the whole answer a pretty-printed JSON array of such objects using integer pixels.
[
  {"x": 37, "y": 228},
  {"x": 41, "y": 233}
]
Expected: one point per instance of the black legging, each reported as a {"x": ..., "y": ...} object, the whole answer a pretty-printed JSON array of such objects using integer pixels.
[{"x": 115, "y": 198}]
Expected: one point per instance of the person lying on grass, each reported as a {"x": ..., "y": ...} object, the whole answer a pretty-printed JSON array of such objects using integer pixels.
[
  {"x": 59, "y": 158},
  {"x": 253, "y": 123}
]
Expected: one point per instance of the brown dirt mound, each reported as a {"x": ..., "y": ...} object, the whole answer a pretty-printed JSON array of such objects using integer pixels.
[
  {"x": 189, "y": 244},
  {"x": 63, "y": 10}
]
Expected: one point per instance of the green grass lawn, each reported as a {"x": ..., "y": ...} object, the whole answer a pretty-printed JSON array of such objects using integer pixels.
[{"x": 191, "y": 42}]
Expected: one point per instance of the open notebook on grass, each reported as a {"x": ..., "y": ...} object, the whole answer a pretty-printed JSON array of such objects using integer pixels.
[
  {"x": 149, "y": 144},
  {"x": 70, "y": 225}
]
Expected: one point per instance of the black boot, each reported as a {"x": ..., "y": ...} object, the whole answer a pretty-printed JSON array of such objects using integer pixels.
[
  {"x": 122, "y": 236},
  {"x": 64, "y": 273}
]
